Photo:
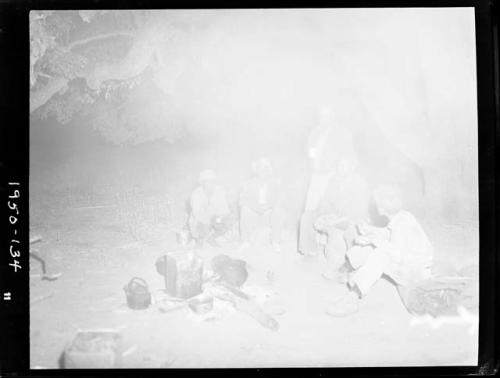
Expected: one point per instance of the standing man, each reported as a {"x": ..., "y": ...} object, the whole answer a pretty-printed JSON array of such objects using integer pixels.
[
  {"x": 209, "y": 210},
  {"x": 326, "y": 144}
]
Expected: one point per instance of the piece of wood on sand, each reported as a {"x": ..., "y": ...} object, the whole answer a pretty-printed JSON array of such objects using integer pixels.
[
  {"x": 245, "y": 304},
  {"x": 41, "y": 298}
]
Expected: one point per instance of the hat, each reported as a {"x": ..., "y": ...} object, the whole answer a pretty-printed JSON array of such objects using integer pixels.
[{"x": 207, "y": 175}]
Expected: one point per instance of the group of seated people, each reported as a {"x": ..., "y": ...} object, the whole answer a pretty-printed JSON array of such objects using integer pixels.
[
  {"x": 258, "y": 207},
  {"x": 363, "y": 229},
  {"x": 335, "y": 221}
]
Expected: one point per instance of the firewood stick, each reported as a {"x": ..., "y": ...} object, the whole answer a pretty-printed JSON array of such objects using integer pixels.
[
  {"x": 35, "y": 239},
  {"x": 40, "y": 298},
  {"x": 245, "y": 304}
]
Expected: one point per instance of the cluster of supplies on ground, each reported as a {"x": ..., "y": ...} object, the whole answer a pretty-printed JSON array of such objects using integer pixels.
[{"x": 190, "y": 285}]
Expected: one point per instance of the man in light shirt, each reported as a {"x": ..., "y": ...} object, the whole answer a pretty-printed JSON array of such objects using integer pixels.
[
  {"x": 260, "y": 204},
  {"x": 401, "y": 250},
  {"x": 209, "y": 210}
]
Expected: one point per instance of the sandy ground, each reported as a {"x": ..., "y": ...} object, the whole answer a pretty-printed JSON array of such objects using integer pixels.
[{"x": 97, "y": 257}]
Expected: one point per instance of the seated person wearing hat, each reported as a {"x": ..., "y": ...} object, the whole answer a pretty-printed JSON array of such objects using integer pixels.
[{"x": 209, "y": 210}]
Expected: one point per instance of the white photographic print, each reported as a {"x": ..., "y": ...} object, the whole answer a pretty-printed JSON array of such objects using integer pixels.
[{"x": 253, "y": 188}]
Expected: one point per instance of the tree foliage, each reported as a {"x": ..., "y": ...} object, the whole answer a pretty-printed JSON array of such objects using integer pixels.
[
  {"x": 83, "y": 63},
  {"x": 142, "y": 75}
]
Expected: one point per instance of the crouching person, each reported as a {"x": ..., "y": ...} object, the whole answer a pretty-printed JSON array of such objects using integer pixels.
[
  {"x": 209, "y": 214},
  {"x": 401, "y": 251},
  {"x": 260, "y": 205},
  {"x": 344, "y": 204}
]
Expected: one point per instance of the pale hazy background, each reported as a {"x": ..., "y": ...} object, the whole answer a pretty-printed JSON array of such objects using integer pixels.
[{"x": 220, "y": 88}]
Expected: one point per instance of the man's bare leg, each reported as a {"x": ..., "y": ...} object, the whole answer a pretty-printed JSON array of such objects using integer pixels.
[
  {"x": 359, "y": 283},
  {"x": 307, "y": 234},
  {"x": 335, "y": 251}
]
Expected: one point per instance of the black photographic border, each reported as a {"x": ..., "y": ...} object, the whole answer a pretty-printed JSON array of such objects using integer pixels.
[{"x": 14, "y": 168}]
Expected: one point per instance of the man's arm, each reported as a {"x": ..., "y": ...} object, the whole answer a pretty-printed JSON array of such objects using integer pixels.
[
  {"x": 410, "y": 237},
  {"x": 371, "y": 235}
]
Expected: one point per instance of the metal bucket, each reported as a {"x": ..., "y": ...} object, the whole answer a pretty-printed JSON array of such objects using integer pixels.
[
  {"x": 94, "y": 349},
  {"x": 137, "y": 293}
]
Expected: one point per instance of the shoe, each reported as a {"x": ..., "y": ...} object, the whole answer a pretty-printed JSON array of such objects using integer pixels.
[
  {"x": 330, "y": 275},
  {"x": 345, "y": 306},
  {"x": 343, "y": 277},
  {"x": 309, "y": 253},
  {"x": 337, "y": 275}
]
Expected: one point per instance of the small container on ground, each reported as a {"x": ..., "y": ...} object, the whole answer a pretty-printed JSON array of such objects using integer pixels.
[{"x": 94, "y": 349}]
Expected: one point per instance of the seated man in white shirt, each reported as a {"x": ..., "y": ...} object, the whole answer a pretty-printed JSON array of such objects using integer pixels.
[
  {"x": 209, "y": 210},
  {"x": 260, "y": 205},
  {"x": 401, "y": 251}
]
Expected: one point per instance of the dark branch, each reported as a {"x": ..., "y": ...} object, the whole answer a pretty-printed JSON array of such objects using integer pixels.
[{"x": 40, "y": 97}]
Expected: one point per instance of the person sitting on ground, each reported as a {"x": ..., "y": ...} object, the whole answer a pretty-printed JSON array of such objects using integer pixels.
[
  {"x": 345, "y": 204},
  {"x": 259, "y": 203},
  {"x": 401, "y": 251},
  {"x": 209, "y": 210}
]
